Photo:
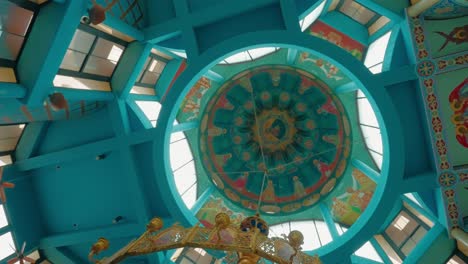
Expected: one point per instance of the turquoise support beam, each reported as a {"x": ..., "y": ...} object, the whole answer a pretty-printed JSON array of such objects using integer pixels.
[
  {"x": 161, "y": 32},
  {"x": 91, "y": 235},
  {"x": 185, "y": 126},
  {"x": 325, "y": 8},
  {"x": 166, "y": 77},
  {"x": 187, "y": 32},
  {"x": 372, "y": 5},
  {"x": 121, "y": 26},
  {"x": 130, "y": 65},
  {"x": 291, "y": 20},
  {"x": 371, "y": 173},
  {"x": 46, "y": 46},
  {"x": 214, "y": 76},
  {"x": 390, "y": 51},
  {"x": 394, "y": 76},
  {"x": 86, "y": 95},
  {"x": 57, "y": 256},
  {"x": 139, "y": 113},
  {"x": 346, "y": 88},
  {"x": 329, "y": 221},
  {"x": 202, "y": 199},
  {"x": 11, "y": 90},
  {"x": 360, "y": 260},
  {"x": 119, "y": 117},
  {"x": 291, "y": 57},
  {"x": 30, "y": 140},
  {"x": 383, "y": 255},
  {"x": 425, "y": 243},
  {"x": 420, "y": 209},
  {"x": 413, "y": 183},
  {"x": 143, "y": 97}
]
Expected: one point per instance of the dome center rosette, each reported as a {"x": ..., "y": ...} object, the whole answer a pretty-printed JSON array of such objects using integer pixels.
[{"x": 282, "y": 122}]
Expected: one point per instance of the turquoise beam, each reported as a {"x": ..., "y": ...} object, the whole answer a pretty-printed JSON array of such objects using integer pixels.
[
  {"x": 30, "y": 140},
  {"x": 119, "y": 117},
  {"x": 122, "y": 27},
  {"x": 381, "y": 32},
  {"x": 326, "y": 7},
  {"x": 289, "y": 12},
  {"x": 57, "y": 256},
  {"x": 425, "y": 243},
  {"x": 382, "y": 254},
  {"x": 291, "y": 57},
  {"x": 91, "y": 235},
  {"x": 413, "y": 183},
  {"x": 161, "y": 32},
  {"x": 329, "y": 221},
  {"x": 420, "y": 209},
  {"x": 187, "y": 32},
  {"x": 214, "y": 76},
  {"x": 46, "y": 46},
  {"x": 143, "y": 97},
  {"x": 360, "y": 260},
  {"x": 11, "y": 90},
  {"x": 372, "y": 5},
  {"x": 390, "y": 52},
  {"x": 166, "y": 77},
  {"x": 130, "y": 65},
  {"x": 370, "y": 172},
  {"x": 185, "y": 126},
  {"x": 394, "y": 76},
  {"x": 202, "y": 199},
  {"x": 346, "y": 88},
  {"x": 86, "y": 95}
]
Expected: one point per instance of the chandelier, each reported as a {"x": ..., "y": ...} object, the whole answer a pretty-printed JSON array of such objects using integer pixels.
[{"x": 250, "y": 240}]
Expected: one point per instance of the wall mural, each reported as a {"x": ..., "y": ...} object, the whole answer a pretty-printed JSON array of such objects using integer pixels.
[
  {"x": 212, "y": 207},
  {"x": 458, "y": 99},
  {"x": 279, "y": 121},
  {"x": 447, "y": 9},
  {"x": 347, "y": 207},
  {"x": 190, "y": 107},
  {"x": 437, "y": 71},
  {"x": 447, "y": 36},
  {"x": 324, "y": 31}
]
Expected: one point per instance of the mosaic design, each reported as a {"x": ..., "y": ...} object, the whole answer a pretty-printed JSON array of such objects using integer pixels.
[
  {"x": 282, "y": 122},
  {"x": 348, "y": 206},
  {"x": 447, "y": 177},
  {"x": 324, "y": 31}
]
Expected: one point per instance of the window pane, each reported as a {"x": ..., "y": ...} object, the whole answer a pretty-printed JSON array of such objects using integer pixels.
[
  {"x": 378, "y": 159},
  {"x": 368, "y": 251},
  {"x": 373, "y": 138},
  {"x": 376, "y": 69},
  {"x": 259, "y": 52},
  {"x": 177, "y": 136},
  {"x": 323, "y": 232},
  {"x": 366, "y": 113},
  {"x": 190, "y": 197},
  {"x": 376, "y": 51},
  {"x": 9, "y": 136},
  {"x": 180, "y": 153},
  {"x": 73, "y": 60},
  {"x": 10, "y": 45},
  {"x": 81, "y": 41},
  {"x": 108, "y": 50},
  {"x": 156, "y": 66},
  {"x": 401, "y": 228},
  {"x": 5, "y": 160},
  {"x": 185, "y": 177},
  {"x": 150, "y": 109},
  {"x": 16, "y": 20},
  {"x": 3, "y": 219},
  {"x": 6, "y": 242},
  {"x": 150, "y": 78},
  {"x": 239, "y": 57},
  {"x": 310, "y": 235},
  {"x": 312, "y": 16},
  {"x": 99, "y": 66}
]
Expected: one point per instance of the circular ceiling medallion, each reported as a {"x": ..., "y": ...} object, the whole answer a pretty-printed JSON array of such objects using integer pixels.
[{"x": 280, "y": 122}]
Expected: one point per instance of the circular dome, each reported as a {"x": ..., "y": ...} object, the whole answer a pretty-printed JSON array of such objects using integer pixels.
[{"x": 277, "y": 127}]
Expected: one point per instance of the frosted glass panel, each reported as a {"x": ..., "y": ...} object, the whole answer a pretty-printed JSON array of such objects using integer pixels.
[
  {"x": 373, "y": 138},
  {"x": 368, "y": 251},
  {"x": 81, "y": 41},
  {"x": 150, "y": 109},
  {"x": 312, "y": 16},
  {"x": 376, "y": 51},
  {"x": 3, "y": 219},
  {"x": 190, "y": 197},
  {"x": 239, "y": 57},
  {"x": 257, "y": 53},
  {"x": 73, "y": 60},
  {"x": 366, "y": 113},
  {"x": 180, "y": 153},
  {"x": 324, "y": 233},
  {"x": 6, "y": 242}
]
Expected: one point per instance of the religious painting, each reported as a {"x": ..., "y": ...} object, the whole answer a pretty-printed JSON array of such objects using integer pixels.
[
  {"x": 447, "y": 36},
  {"x": 347, "y": 207},
  {"x": 190, "y": 107},
  {"x": 322, "y": 69},
  {"x": 324, "y": 31},
  {"x": 212, "y": 207}
]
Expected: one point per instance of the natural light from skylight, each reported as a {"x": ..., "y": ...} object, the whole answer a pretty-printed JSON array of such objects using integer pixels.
[
  {"x": 316, "y": 232},
  {"x": 368, "y": 251},
  {"x": 249, "y": 55},
  {"x": 311, "y": 17},
  {"x": 370, "y": 128},
  {"x": 183, "y": 168},
  {"x": 376, "y": 53},
  {"x": 151, "y": 110},
  {"x": 6, "y": 244}
]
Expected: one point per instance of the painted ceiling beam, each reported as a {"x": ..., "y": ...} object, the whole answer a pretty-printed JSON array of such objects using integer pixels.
[
  {"x": 202, "y": 199},
  {"x": 30, "y": 140},
  {"x": 398, "y": 75},
  {"x": 90, "y": 236},
  {"x": 46, "y": 46},
  {"x": 291, "y": 56},
  {"x": 86, "y": 95},
  {"x": 214, "y": 76},
  {"x": 130, "y": 65},
  {"x": 187, "y": 32},
  {"x": 122, "y": 27},
  {"x": 11, "y": 90},
  {"x": 346, "y": 88},
  {"x": 370, "y": 4}
]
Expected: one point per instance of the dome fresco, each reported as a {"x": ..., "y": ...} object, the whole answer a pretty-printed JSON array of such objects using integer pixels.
[{"x": 296, "y": 134}]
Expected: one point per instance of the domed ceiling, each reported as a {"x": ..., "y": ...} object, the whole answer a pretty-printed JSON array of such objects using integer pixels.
[{"x": 276, "y": 134}]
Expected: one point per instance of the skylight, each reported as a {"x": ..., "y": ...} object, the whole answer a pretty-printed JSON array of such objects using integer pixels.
[
  {"x": 370, "y": 129},
  {"x": 249, "y": 55},
  {"x": 376, "y": 53},
  {"x": 9, "y": 137},
  {"x": 368, "y": 251},
  {"x": 311, "y": 17},
  {"x": 316, "y": 233},
  {"x": 6, "y": 244},
  {"x": 151, "y": 110},
  {"x": 183, "y": 168}
]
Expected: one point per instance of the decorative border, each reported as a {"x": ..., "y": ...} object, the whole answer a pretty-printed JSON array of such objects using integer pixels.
[{"x": 427, "y": 68}]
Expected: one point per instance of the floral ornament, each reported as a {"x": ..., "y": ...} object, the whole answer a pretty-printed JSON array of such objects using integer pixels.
[
  {"x": 436, "y": 124},
  {"x": 425, "y": 68},
  {"x": 441, "y": 147},
  {"x": 447, "y": 179},
  {"x": 432, "y": 101}
]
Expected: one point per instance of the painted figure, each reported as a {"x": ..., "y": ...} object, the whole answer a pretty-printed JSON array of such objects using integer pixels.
[
  {"x": 324, "y": 168},
  {"x": 269, "y": 192},
  {"x": 332, "y": 139},
  {"x": 458, "y": 99},
  {"x": 458, "y": 36},
  {"x": 299, "y": 190},
  {"x": 328, "y": 107},
  {"x": 241, "y": 181}
]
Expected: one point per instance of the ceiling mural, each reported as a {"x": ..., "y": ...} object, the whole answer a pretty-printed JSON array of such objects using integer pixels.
[
  {"x": 295, "y": 131},
  {"x": 447, "y": 36},
  {"x": 324, "y": 31},
  {"x": 445, "y": 9},
  {"x": 190, "y": 107},
  {"x": 348, "y": 206}
]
